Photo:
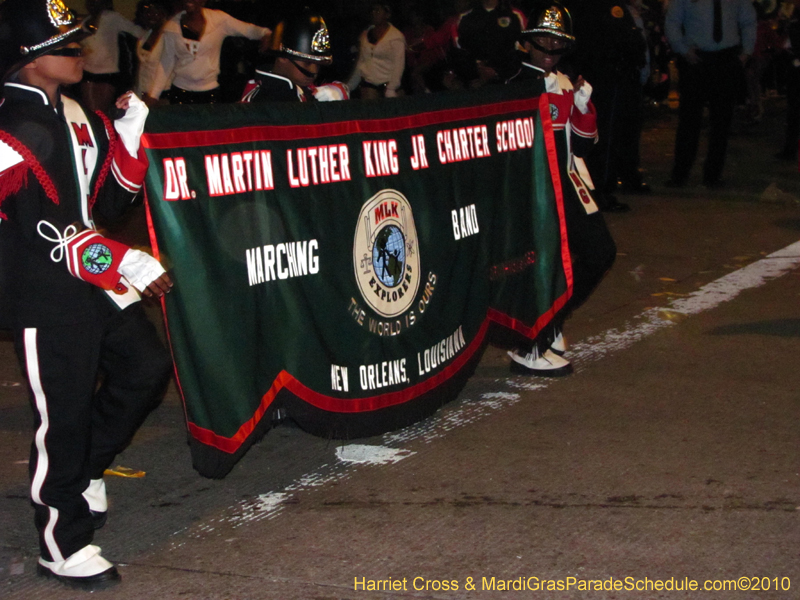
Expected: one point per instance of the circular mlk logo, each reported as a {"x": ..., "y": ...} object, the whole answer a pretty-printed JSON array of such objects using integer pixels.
[
  {"x": 96, "y": 259},
  {"x": 385, "y": 253}
]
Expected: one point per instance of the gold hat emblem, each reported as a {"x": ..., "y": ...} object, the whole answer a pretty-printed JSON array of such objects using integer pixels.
[
  {"x": 321, "y": 43},
  {"x": 552, "y": 19},
  {"x": 59, "y": 14}
]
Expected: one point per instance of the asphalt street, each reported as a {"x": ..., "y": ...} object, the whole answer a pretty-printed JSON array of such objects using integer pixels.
[{"x": 669, "y": 459}]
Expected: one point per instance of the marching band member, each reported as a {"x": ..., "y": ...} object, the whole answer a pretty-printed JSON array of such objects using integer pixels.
[
  {"x": 68, "y": 292},
  {"x": 300, "y": 47},
  {"x": 575, "y": 128}
]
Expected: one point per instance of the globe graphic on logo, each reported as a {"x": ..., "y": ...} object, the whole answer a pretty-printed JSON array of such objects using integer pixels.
[
  {"x": 96, "y": 259},
  {"x": 389, "y": 255}
]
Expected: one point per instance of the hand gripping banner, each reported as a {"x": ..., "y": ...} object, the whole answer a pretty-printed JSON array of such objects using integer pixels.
[{"x": 344, "y": 261}]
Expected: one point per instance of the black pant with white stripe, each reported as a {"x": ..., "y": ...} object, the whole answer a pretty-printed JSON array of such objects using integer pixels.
[{"x": 80, "y": 427}]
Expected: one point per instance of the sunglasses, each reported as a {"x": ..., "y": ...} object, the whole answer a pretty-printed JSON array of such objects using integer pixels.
[
  {"x": 71, "y": 52},
  {"x": 305, "y": 72}
]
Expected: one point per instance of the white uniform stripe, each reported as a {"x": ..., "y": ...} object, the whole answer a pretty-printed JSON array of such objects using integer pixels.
[
  {"x": 122, "y": 180},
  {"x": 586, "y": 134},
  {"x": 42, "y": 460},
  {"x": 49, "y": 538}
]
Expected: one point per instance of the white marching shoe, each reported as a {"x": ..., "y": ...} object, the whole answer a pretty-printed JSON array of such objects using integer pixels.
[
  {"x": 559, "y": 345},
  {"x": 547, "y": 364},
  {"x": 85, "y": 569},
  {"x": 95, "y": 496}
]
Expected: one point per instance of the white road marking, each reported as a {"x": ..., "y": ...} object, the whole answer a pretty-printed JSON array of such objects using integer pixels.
[
  {"x": 709, "y": 296},
  {"x": 370, "y": 455}
]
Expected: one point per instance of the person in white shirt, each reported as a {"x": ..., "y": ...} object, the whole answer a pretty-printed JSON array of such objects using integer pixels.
[
  {"x": 381, "y": 57},
  {"x": 190, "y": 56},
  {"x": 101, "y": 76},
  {"x": 150, "y": 15}
]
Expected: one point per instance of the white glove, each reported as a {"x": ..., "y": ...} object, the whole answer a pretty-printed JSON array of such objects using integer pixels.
[
  {"x": 331, "y": 91},
  {"x": 582, "y": 97},
  {"x": 131, "y": 125},
  {"x": 140, "y": 269}
]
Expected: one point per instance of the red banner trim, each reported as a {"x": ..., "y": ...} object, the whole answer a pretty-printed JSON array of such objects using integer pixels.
[
  {"x": 263, "y": 133},
  {"x": 331, "y": 404},
  {"x": 555, "y": 174},
  {"x": 531, "y": 331}
]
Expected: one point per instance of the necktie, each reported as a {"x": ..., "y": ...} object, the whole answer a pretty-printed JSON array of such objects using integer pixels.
[{"x": 717, "y": 20}]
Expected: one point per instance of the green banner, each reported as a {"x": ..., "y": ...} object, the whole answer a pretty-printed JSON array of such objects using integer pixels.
[{"x": 344, "y": 261}]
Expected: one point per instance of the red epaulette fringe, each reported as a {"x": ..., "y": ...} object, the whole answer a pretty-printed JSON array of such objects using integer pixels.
[
  {"x": 29, "y": 162},
  {"x": 12, "y": 180}
]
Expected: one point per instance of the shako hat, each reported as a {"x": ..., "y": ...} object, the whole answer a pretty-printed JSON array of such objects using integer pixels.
[
  {"x": 32, "y": 28},
  {"x": 554, "y": 21},
  {"x": 302, "y": 37}
]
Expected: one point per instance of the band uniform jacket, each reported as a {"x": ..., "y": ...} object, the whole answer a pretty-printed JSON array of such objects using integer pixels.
[
  {"x": 74, "y": 166},
  {"x": 580, "y": 129},
  {"x": 269, "y": 87},
  {"x": 490, "y": 37}
]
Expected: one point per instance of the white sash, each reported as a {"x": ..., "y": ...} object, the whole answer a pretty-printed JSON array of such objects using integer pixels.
[
  {"x": 576, "y": 166},
  {"x": 84, "y": 161},
  {"x": 84, "y": 153}
]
